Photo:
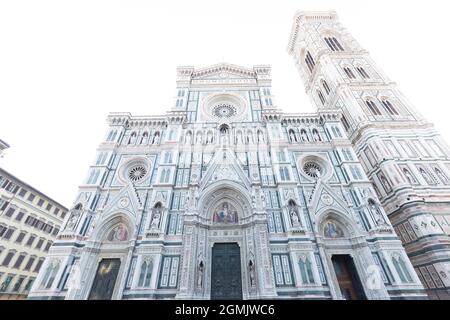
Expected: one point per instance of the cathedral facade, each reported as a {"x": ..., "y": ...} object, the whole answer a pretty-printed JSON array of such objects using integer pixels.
[{"x": 228, "y": 197}]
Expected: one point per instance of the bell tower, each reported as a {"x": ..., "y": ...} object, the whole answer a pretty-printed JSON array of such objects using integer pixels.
[{"x": 404, "y": 156}]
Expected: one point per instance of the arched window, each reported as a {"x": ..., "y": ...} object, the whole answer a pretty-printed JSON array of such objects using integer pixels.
[
  {"x": 284, "y": 174},
  {"x": 171, "y": 133},
  {"x": 306, "y": 271},
  {"x": 326, "y": 87},
  {"x": 441, "y": 175},
  {"x": 309, "y": 61},
  {"x": 316, "y": 135},
  {"x": 349, "y": 73},
  {"x": 292, "y": 136},
  {"x": 304, "y": 135},
  {"x": 132, "y": 138},
  {"x": 156, "y": 138},
  {"x": 144, "y": 138},
  {"x": 114, "y": 135},
  {"x": 401, "y": 269},
  {"x": 145, "y": 274},
  {"x": 50, "y": 274},
  {"x": 409, "y": 176},
  {"x": 333, "y": 44},
  {"x": 168, "y": 157},
  {"x": 363, "y": 72},
  {"x": 373, "y": 107},
  {"x": 109, "y": 138},
  {"x": 321, "y": 97},
  {"x": 389, "y": 107},
  {"x": 345, "y": 123},
  {"x": 425, "y": 176},
  {"x": 162, "y": 179}
]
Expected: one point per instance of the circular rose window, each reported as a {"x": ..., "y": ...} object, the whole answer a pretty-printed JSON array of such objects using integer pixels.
[
  {"x": 224, "y": 110},
  {"x": 137, "y": 172},
  {"x": 312, "y": 169}
]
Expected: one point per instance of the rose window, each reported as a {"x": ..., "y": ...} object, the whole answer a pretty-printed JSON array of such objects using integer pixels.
[
  {"x": 137, "y": 173},
  {"x": 312, "y": 169},
  {"x": 224, "y": 110}
]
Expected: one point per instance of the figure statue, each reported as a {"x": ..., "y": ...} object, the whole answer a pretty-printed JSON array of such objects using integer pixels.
[
  {"x": 200, "y": 275},
  {"x": 73, "y": 220},
  {"x": 251, "y": 273},
  {"x": 294, "y": 218},
  {"x": 155, "y": 220},
  {"x": 378, "y": 216}
]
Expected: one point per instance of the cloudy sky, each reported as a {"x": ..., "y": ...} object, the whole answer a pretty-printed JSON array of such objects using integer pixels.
[{"x": 65, "y": 64}]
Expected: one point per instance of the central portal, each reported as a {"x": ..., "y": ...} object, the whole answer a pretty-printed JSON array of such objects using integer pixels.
[{"x": 226, "y": 272}]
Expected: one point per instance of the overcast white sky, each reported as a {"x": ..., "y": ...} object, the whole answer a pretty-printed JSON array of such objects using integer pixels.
[{"x": 65, "y": 64}]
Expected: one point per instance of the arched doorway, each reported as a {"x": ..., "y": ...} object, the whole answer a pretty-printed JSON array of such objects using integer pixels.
[{"x": 343, "y": 256}]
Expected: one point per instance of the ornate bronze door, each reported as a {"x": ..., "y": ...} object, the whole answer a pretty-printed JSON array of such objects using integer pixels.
[
  {"x": 105, "y": 279},
  {"x": 348, "y": 279},
  {"x": 226, "y": 272}
]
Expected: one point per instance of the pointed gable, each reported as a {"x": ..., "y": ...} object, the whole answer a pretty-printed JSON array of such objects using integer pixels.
[{"x": 224, "y": 166}]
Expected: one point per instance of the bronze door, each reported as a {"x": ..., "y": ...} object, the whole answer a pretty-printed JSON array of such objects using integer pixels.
[
  {"x": 226, "y": 272},
  {"x": 347, "y": 276},
  {"x": 105, "y": 279}
]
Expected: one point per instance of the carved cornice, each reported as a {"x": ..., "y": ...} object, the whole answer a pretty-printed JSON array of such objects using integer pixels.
[{"x": 307, "y": 16}]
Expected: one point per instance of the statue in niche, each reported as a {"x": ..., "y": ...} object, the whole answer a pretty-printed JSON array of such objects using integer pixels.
[
  {"x": 377, "y": 214},
  {"x": 188, "y": 138},
  {"x": 200, "y": 274},
  {"x": 260, "y": 136},
  {"x": 294, "y": 214},
  {"x": 156, "y": 216},
  {"x": 226, "y": 214},
  {"x": 409, "y": 176},
  {"x": 198, "y": 140},
  {"x": 251, "y": 273},
  {"x": 73, "y": 219},
  {"x": 263, "y": 199}
]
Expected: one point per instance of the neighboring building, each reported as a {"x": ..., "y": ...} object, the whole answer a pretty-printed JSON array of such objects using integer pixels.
[
  {"x": 29, "y": 223},
  {"x": 401, "y": 152},
  {"x": 226, "y": 196},
  {"x": 3, "y": 146}
]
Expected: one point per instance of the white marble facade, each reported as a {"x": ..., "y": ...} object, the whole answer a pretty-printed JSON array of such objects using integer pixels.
[{"x": 226, "y": 165}]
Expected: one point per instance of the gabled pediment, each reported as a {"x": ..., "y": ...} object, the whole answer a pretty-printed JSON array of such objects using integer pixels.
[
  {"x": 224, "y": 166},
  {"x": 223, "y": 71},
  {"x": 325, "y": 197},
  {"x": 126, "y": 201}
]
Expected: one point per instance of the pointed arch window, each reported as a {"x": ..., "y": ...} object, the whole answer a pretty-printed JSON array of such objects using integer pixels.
[
  {"x": 292, "y": 136},
  {"x": 144, "y": 138},
  {"x": 145, "y": 274},
  {"x": 306, "y": 271},
  {"x": 326, "y": 87},
  {"x": 333, "y": 44},
  {"x": 389, "y": 107},
  {"x": 373, "y": 107},
  {"x": 345, "y": 123},
  {"x": 321, "y": 97},
  {"x": 441, "y": 175},
  {"x": 132, "y": 138},
  {"x": 349, "y": 73},
  {"x": 284, "y": 174},
  {"x": 363, "y": 72},
  {"x": 310, "y": 61},
  {"x": 402, "y": 270}
]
